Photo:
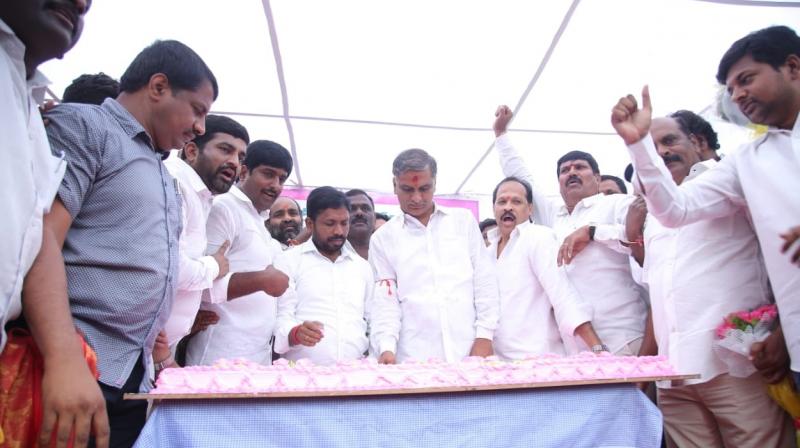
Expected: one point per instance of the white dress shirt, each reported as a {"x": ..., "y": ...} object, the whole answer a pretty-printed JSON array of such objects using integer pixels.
[
  {"x": 601, "y": 272},
  {"x": 446, "y": 293},
  {"x": 197, "y": 272},
  {"x": 29, "y": 173},
  {"x": 538, "y": 304},
  {"x": 246, "y": 323},
  {"x": 335, "y": 293},
  {"x": 698, "y": 274},
  {"x": 762, "y": 177}
]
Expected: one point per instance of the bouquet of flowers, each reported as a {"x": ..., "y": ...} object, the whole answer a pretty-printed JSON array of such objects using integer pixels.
[{"x": 735, "y": 336}]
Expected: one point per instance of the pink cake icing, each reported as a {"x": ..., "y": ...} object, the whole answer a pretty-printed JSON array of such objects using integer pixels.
[{"x": 239, "y": 376}]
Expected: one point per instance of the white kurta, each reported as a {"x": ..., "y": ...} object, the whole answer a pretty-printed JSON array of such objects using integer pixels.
[
  {"x": 335, "y": 293},
  {"x": 30, "y": 174},
  {"x": 446, "y": 292},
  {"x": 601, "y": 272},
  {"x": 538, "y": 304},
  {"x": 246, "y": 323},
  {"x": 197, "y": 270},
  {"x": 762, "y": 177}
]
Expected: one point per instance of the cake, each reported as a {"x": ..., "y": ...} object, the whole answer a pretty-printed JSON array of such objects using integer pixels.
[{"x": 245, "y": 377}]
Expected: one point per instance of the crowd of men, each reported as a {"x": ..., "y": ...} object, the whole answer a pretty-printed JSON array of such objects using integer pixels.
[{"x": 158, "y": 231}]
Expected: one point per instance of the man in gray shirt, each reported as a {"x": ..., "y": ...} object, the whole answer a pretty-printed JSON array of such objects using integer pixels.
[{"x": 118, "y": 214}]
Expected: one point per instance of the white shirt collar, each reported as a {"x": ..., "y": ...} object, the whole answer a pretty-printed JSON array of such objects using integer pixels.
[
  {"x": 494, "y": 234},
  {"x": 239, "y": 194},
  {"x": 188, "y": 172},
  {"x": 309, "y": 246},
  {"x": 437, "y": 210},
  {"x": 587, "y": 202}
]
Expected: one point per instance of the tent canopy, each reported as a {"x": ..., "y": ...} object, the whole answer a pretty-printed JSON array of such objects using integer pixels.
[{"x": 346, "y": 85}]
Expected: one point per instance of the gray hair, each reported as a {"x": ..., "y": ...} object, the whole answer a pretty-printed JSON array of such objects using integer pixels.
[{"x": 413, "y": 160}]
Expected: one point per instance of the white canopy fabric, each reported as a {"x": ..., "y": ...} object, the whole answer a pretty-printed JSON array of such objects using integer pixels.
[{"x": 346, "y": 84}]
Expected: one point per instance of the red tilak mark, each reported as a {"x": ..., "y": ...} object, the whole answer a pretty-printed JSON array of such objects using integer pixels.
[{"x": 415, "y": 179}]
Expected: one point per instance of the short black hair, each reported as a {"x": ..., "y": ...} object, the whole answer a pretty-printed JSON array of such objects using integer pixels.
[
  {"x": 265, "y": 152},
  {"x": 691, "y": 123},
  {"x": 184, "y": 68},
  {"x": 413, "y": 160},
  {"x": 220, "y": 124},
  {"x": 356, "y": 192},
  {"x": 578, "y": 155},
  {"x": 323, "y": 198},
  {"x": 383, "y": 216},
  {"x": 769, "y": 46},
  {"x": 525, "y": 184},
  {"x": 488, "y": 222},
  {"x": 617, "y": 180},
  {"x": 629, "y": 172},
  {"x": 91, "y": 89}
]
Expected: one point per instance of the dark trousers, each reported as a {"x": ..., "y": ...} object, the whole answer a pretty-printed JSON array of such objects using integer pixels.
[{"x": 125, "y": 417}]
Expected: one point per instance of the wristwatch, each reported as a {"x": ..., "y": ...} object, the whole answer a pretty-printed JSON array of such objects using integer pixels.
[
  {"x": 161, "y": 365},
  {"x": 592, "y": 229},
  {"x": 597, "y": 348}
]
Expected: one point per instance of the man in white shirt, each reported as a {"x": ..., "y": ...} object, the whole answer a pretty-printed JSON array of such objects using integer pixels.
[
  {"x": 207, "y": 166},
  {"x": 31, "y": 268},
  {"x": 592, "y": 228},
  {"x": 322, "y": 316},
  {"x": 285, "y": 221},
  {"x": 762, "y": 73},
  {"x": 436, "y": 293},
  {"x": 698, "y": 274},
  {"x": 246, "y": 324},
  {"x": 538, "y": 304}
]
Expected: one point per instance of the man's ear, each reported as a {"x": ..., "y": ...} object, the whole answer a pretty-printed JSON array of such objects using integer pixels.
[
  {"x": 700, "y": 143},
  {"x": 394, "y": 184},
  {"x": 190, "y": 152},
  {"x": 310, "y": 224},
  {"x": 793, "y": 64},
  {"x": 243, "y": 173},
  {"x": 158, "y": 86}
]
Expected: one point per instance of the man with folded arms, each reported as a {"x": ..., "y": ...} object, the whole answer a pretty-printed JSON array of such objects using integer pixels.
[
  {"x": 592, "y": 228},
  {"x": 436, "y": 291},
  {"x": 322, "y": 315},
  {"x": 538, "y": 304},
  {"x": 698, "y": 274}
]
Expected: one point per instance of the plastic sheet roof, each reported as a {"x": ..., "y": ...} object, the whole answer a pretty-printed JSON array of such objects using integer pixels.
[{"x": 346, "y": 84}]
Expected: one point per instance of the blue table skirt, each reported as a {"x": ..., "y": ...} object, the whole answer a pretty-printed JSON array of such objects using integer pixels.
[{"x": 590, "y": 416}]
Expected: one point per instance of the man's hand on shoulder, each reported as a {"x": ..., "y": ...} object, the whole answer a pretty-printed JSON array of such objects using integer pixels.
[
  {"x": 630, "y": 122},
  {"x": 502, "y": 117}
]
